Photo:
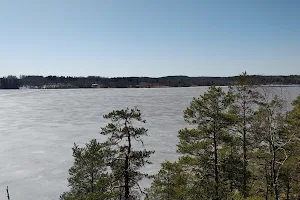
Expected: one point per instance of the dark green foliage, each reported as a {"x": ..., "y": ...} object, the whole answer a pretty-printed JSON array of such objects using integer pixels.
[
  {"x": 231, "y": 166},
  {"x": 171, "y": 183},
  {"x": 122, "y": 131},
  {"x": 294, "y": 116},
  {"x": 203, "y": 144},
  {"x": 89, "y": 178},
  {"x": 247, "y": 98},
  {"x": 111, "y": 170}
]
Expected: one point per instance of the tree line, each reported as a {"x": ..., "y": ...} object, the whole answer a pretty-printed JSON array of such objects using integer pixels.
[
  {"x": 9, "y": 82},
  {"x": 63, "y": 82},
  {"x": 240, "y": 143}
]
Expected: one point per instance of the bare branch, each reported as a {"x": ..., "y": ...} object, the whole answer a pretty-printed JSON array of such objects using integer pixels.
[{"x": 8, "y": 198}]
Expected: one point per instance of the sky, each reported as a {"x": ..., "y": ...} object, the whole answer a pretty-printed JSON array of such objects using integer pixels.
[{"x": 153, "y": 38}]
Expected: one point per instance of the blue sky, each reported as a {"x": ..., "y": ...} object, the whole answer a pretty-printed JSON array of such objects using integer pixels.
[{"x": 149, "y": 37}]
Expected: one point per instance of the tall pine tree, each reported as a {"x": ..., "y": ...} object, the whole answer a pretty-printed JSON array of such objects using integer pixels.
[
  {"x": 202, "y": 144},
  {"x": 123, "y": 129},
  {"x": 247, "y": 97}
]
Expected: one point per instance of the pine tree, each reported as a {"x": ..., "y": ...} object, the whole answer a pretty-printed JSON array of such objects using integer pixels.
[
  {"x": 89, "y": 178},
  {"x": 122, "y": 131},
  {"x": 247, "y": 97},
  {"x": 171, "y": 183},
  {"x": 202, "y": 144},
  {"x": 231, "y": 165}
]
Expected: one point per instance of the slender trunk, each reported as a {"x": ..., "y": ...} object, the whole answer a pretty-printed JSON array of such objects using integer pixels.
[
  {"x": 169, "y": 188},
  {"x": 127, "y": 167},
  {"x": 272, "y": 152},
  {"x": 288, "y": 191},
  {"x": 267, "y": 181},
  {"x": 92, "y": 182},
  {"x": 231, "y": 171},
  {"x": 271, "y": 182},
  {"x": 267, "y": 193},
  {"x": 217, "y": 181},
  {"x": 275, "y": 181},
  {"x": 276, "y": 191},
  {"x": 245, "y": 163},
  {"x": 216, "y": 166},
  {"x": 92, "y": 177},
  {"x": 231, "y": 189},
  {"x": 127, "y": 177}
]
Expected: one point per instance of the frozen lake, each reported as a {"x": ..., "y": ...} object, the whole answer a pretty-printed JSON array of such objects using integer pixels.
[{"x": 39, "y": 127}]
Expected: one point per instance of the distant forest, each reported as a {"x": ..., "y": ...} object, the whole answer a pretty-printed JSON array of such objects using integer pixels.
[{"x": 62, "y": 82}]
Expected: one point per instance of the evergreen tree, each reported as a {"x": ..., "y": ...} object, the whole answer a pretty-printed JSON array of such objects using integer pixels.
[
  {"x": 202, "y": 144},
  {"x": 122, "y": 131},
  {"x": 171, "y": 183},
  {"x": 89, "y": 178},
  {"x": 247, "y": 98},
  {"x": 231, "y": 165}
]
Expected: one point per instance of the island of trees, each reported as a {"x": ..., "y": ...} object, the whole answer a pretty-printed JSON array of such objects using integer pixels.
[
  {"x": 57, "y": 82},
  {"x": 240, "y": 143}
]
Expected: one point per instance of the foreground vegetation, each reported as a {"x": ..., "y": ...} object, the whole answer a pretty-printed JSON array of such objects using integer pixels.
[
  {"x": 241, "y": 143},
  {"x": 56, "y": 82}
]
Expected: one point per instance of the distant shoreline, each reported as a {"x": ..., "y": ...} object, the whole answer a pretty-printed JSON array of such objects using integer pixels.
[
  {"x": 62, "y": 82},
  {"x": 163, "y": 87}
]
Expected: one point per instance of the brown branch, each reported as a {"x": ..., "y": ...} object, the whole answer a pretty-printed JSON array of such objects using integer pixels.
[{"x": 8, "y": 198}]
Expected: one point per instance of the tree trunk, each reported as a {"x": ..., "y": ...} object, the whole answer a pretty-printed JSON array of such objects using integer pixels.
[
  {"x": 169, "y": 188},
  {"x": 275, "y": 181},
  {"x": 92, "y": 177},
  {"x": 267, "y": 187},
  {"x": 216, "y": 167},
  {"x": 231, "y": 171},
  {"x": 245, "y": 163},
  {"x": 92, "y": 182},
  {"x": 127, "y": 167},
  {"x": 288, "y": 191},
  {"x": 127, "y": 177}
]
